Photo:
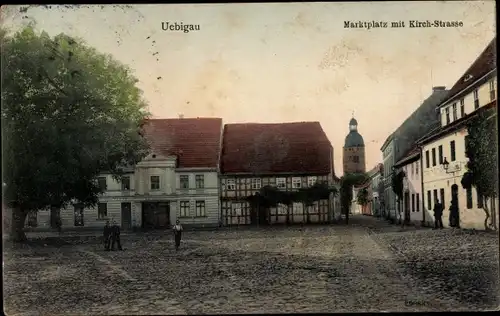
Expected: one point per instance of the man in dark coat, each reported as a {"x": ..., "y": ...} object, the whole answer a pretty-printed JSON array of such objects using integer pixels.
[
  {"x": 107, "y": 235},
  {"x": 454, "y": 221},
  {"x": 115, "y": 236},
  {"x": 438, "y": 213}
]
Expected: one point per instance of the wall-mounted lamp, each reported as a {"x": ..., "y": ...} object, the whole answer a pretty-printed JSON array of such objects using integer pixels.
[{"x": 446, "y": 165}]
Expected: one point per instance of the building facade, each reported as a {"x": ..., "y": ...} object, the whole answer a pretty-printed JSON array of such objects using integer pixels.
[
  {"x": 354, "y": 150},
  {"x": 388, "y": 206},
  {"x": 286, "y": 156},
  {"x": 443, "y": 150},
  {"x": 413, "y": 211},
  {"x": 375, "y": 179},
  {"x": 178, "y": 179}
]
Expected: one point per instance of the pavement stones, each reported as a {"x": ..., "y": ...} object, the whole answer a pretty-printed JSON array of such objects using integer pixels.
[{"x": 310, "y": 269}]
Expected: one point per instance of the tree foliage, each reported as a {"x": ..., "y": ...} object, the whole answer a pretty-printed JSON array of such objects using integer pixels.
[
  {"x": 68, "y": 114},
  {"x": 481, "y": 151},
  {"x": 346, "y": 184},
  {"x": 362, "y": 197},
  {"x": 270, "y": 196},
  {"x": 397, "y": 183}
]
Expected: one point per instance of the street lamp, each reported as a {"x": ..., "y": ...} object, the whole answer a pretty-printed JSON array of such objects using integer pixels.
[{"x": 446, "y": 165}]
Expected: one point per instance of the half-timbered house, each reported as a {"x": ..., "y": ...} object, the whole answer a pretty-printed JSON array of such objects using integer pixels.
[{"x": 286, "y": 156}]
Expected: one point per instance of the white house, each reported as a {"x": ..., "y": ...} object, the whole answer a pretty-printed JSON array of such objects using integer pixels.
[
  {"x": 443, "y": 150},
  {"x": 177, "y": 180},
  {"x": 413, "y": 211}
]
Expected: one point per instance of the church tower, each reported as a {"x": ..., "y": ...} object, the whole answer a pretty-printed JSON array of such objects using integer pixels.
[{"x": 354, "y": 150}]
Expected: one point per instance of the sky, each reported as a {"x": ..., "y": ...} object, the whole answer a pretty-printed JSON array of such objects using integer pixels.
[{"x": 282, "y": 62}]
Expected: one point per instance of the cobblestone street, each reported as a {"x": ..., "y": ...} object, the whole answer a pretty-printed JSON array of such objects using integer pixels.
[{"x": 365, "y": 266}]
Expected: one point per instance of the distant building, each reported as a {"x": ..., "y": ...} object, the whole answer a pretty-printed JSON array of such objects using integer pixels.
[
  {"x": 374, "y": 176},
  {"x": 177, "y": 180},
  {"x": 287, "y": 156},
  {"x": 423, "y": 120},
  {"x": 354, "y": 150},
  {"x": 443, "y": 149}
]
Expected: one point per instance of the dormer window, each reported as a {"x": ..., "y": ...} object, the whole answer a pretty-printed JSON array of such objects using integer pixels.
[
  {"x": 467, "y": 77},
  {"x": 447, "y": 113}
]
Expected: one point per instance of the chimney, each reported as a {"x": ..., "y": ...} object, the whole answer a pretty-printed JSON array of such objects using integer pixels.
[{"x": 438, "y": 88}]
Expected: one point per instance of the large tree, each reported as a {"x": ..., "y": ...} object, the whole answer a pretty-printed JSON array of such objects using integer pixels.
[
  {"x": 482, "y": 166},
  {"x": 68, "y": 114}
]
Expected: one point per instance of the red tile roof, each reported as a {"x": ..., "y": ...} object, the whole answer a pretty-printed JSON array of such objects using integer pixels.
[
  {"x": 254, "y": 148},
  {"x": 195, "y": 141},
  {"x": 485, "y": 63}
]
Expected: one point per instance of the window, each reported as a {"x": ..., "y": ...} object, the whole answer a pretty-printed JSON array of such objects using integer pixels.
[
  {"x": 441, "y": 194},
  {"x": 469, "y": 197},
  {"x": 435, "y": 196},
  {"x": 454, "y": 111},
  {"x": 230, "y": 184},
  {"x": 355, "y": 158},
  {"x": 184, "y": 209},
  {"x": 101, "y": 182},
  {"x": 155, "y": 182},
  {"x": 480, "y": 203},
  {"x": 125, "y": 183},
  {"x": 296, "y": 183},
  {"x": 416, "y": 167},
  {"x": 78, "y": 213},
  {"x": 32, "y": 219},
  {"x": 418, "y": 202},
  {"x": 427, "y": 159},
  {"x": 492, "y": 90},
  {"x": 199, "y": 181},
  {"x": 184, "y": 181},
  {"x": 102, "y": 210},
  {"x": 452, "y": 151},
  {"x": 236, "y": 209},
  {"x": 413, "y": 202},
  {"x": 429, "y": 200},
  {"x": 200, "y": 209},
  {"x": 476, "y": 99},
  {"x": 447, "y": 111},
  {"x": 440, "y": 153},
  {"x": 256, "y": 184},
  {"x": 462, "y": 108},
  {"x": 433, "y": 157},
  {"x": 281, "y": 183},
  {"x": 312, "y": 181},
  {"x": 466, "y": 142}
]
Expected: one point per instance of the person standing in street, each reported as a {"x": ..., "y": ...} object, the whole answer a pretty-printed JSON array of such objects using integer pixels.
[
  {"x": 107, "y": 235},
  {"x": 438, "y": 214},
  {"x": 115, "y": 233},
  {"x": 177, "y": 234},
  {"x": 454, "y": 222}
]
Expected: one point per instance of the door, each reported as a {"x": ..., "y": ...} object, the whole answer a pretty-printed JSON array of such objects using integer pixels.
[
  {"x": 126, "y": 215},
  {"x": 454, "y": 216},
  {"x": 407, "y": 207}
]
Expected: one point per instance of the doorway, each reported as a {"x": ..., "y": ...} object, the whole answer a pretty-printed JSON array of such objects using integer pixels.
[
  {"x": 407, "y": 207},
  {"x": 156, "y": 215},
  {"x": 454, "y": 207},
  {"x": 126, "y": 215}
]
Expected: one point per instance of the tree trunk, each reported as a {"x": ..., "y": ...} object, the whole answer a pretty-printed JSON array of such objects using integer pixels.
[
  {"x": 485, "y": 209},
  {"x": 17, "y": 229},
  {"x": 494, "y": 213}
]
